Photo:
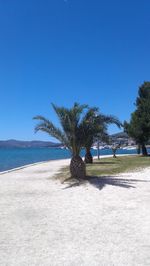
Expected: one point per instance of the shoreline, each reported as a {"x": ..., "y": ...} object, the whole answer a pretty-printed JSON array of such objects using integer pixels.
[
  {"x": 55, "y": 160},
  {"x": 30, "y": 165}
]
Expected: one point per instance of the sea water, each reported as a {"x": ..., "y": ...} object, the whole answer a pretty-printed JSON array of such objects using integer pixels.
[{"x": 16, "y": 157}]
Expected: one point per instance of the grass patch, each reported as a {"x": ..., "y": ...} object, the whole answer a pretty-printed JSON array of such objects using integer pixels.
[{"x": 110, "y": 166}]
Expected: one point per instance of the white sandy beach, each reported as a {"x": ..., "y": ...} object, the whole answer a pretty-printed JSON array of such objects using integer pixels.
[{"x": 46, "y": 223}]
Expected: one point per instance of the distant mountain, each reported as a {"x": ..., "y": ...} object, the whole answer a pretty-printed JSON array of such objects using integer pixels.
[
  {"x": 12, "y": 143},
  {"x": 122, "y": 138},
  {"x": 120, "y": 135}
]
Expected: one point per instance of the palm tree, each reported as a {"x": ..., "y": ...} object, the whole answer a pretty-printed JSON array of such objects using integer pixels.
[
  {"x": 95, "y": 128},
  {"x": 70, "y": 134},
  {"x": 90, "y": 129},
  {"x": 104, "y": 137}
]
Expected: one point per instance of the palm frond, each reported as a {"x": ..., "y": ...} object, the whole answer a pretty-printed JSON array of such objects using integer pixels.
[
  {"x": 70, "y": 131},
  {"x": 48, "y": 127},
  {"x": 110, "y": 119}
]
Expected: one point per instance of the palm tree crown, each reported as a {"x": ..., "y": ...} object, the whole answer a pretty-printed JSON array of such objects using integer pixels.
[{"x": 70, "y": 132}]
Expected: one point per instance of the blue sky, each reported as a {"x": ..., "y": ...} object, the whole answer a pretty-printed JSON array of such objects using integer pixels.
[{"x": 95, "y": 52}]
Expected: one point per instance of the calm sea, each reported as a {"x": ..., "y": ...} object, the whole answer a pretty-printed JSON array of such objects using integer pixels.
[{"x": 15, "y": 157}]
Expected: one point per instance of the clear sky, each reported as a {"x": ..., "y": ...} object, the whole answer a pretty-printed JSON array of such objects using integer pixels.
[{"x": 89, "y": 51}]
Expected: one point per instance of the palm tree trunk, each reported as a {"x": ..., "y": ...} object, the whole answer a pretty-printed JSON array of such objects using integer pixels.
[
  {"x": 138, "y": 149},
  {"x": 98, "y": 151},
  {"x": 88, "y": 156},
  {"x": 144, "y": 150},
  {"x": 77, "y": 167},
  {"x": 114, "y": 152}
]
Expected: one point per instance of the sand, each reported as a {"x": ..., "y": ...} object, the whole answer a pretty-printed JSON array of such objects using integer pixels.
[{"x": 46, "y": 223}]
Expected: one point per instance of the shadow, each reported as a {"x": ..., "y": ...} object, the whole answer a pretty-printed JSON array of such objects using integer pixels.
[
  {"x": 103, "y": 181},
  {"x": 102, "y": 163}
]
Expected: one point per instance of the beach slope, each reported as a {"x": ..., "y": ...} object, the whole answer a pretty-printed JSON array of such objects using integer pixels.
[{"x": 44, "y": 222}]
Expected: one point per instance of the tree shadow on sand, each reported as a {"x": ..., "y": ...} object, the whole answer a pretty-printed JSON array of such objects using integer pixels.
[
  {"x": 103, "y": 163},
  {"x": 101, "y": 182}
]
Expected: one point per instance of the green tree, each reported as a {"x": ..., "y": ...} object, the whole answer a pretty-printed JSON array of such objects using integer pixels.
[
  {"x": 114, "y": 149},
  {"x": 70, "y": 134},
  {"x": 139, "y": 126}
]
